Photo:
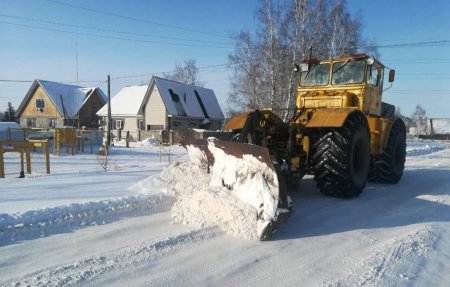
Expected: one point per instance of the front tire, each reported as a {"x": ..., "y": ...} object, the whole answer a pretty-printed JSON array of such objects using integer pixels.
[{"x": 341, "y": 158}]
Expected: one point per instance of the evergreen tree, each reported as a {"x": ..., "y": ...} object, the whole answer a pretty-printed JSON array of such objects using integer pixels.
[{"x": 10, "y": 114}]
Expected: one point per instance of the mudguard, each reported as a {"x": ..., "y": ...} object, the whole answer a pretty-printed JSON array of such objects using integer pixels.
[{"x": 329, "y": 117}]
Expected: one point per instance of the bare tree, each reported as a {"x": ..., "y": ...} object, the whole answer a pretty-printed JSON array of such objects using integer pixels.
[
  {"x": 420, "y": 120},
  {"x": 187, "y": 73},
  {"x": 245, "y": 92},
  {"x": 288, "y": 31}
]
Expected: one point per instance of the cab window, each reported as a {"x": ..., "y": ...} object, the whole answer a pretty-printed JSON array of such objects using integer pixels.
[{"x": 373, "y": 76}]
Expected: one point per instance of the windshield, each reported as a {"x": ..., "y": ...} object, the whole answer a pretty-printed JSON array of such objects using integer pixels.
[
  {"x": 318, "y": 75},
  {"x": 348, "y": 72}
]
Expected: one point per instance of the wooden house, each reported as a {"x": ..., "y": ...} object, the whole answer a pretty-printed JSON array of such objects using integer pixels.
[
  {"x": 164, "y": 105},
  {"x": 50, "y": 104}
]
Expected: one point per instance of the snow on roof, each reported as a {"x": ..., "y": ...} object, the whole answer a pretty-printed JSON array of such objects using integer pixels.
[
  {"x": 441, "y": 126},
  {"x": 188, "y": 100},
  {"x": 8, "y": 125},
  {"x": 66, "y": 97},
  {"x": 126, "y": 102}
]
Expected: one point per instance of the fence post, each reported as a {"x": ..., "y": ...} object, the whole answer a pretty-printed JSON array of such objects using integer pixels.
[
  {"x": 47, "y": 157},
  {"x": 2, "y": 163},
  {"x": 28, "y": 155},
  {"x": 22, "y": 173}
]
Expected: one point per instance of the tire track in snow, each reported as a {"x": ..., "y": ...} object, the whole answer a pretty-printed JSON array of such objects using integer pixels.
[
  {"x": 91, "y": 268},
  {"x": 396, "y": 260},
  {"x": 52, "y": 220}
]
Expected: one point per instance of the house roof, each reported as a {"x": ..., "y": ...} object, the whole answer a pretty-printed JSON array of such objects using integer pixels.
[
  {"x": 187, "y": 100},
  {"x": 68, "y": 99},
  {"x": 126, "y": 102},
  {"x": 8, "y": 125},
  {"x": 441, "y": 125}
]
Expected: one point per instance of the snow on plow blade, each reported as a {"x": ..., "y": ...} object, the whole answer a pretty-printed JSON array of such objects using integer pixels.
[{"x": 247, "y": 171}]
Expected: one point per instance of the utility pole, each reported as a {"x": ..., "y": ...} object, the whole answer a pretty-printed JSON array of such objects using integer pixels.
[
  {"x": 108, "y": 138},
  {"x": 78, "y": 88}
]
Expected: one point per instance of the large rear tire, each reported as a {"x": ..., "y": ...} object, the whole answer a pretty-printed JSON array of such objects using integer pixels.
[
  {"x": 341, "y": 158},
  {"x": 389, "y": 165}
]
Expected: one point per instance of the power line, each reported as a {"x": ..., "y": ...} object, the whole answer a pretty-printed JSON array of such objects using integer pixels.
[
  {"x": 114, "y": 37},
  {"x": 138, "y": 19},
  {"x": 120, "y": 77},
  {"x": 17, "y": 81},
  {"x": 416, "y": 44},
  {"x": 109, "y": 30}
]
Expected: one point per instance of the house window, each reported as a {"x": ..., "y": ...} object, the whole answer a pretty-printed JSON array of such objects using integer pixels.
[
  {"x": 119, "y": 124},
  {"x": 140, "y": 124},
  {"x": 52, "y": 123},
  {"x": 40, "y": 103},
  {"x": 176, "y": 124},
  {"x": 31, "y": 122}
]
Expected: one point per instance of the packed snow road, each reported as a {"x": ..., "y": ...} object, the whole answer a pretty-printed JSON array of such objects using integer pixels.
[{"x": 391, "y": 235}]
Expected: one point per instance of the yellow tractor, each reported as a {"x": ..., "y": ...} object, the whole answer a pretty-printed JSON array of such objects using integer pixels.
[{"x": 341, "y": 132}]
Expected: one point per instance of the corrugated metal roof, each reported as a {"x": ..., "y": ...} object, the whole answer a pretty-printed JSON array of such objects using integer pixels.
[{"x": 188, "y": 100}]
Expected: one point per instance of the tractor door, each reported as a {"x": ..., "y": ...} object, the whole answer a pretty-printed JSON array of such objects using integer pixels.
[{"x": 374, "y": 88}]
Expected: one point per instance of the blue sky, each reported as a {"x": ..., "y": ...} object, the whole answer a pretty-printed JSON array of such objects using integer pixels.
[{"x": 157, "y": 34}]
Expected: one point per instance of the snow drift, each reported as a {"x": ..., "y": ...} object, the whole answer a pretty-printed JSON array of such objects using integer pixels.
[{"x": 238, "y": 195}]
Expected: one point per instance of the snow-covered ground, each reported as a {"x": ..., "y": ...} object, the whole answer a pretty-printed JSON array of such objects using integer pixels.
[{"x": 81, "y": 225}]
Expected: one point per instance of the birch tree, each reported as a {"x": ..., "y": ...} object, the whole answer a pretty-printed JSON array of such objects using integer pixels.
[
  {"x": 288, "y": 32},
  {"x": 420, "y": 120},
  {"x": 186, "y": 73}
]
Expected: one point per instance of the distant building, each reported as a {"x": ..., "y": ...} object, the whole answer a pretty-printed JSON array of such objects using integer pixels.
[
  {"x": 439, "y": 126},
  {"x": 50, "y": 104},
  {"x": 125, "y": 107},
  {"x": 164, "y": 105}
]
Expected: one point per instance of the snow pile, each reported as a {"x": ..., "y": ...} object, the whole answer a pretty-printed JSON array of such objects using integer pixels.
[
  {"x": 238, "y": 195},
  {"x": 200, "y": 205},
  {"x": 251, "y": 180},
  {"x": 150, "y": 142},
  {"x": 152, "y": 185}
]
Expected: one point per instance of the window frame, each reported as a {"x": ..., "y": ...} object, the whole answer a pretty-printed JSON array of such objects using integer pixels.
[
  {"x": 119, "y": 124},
  {"x": 40, "y": 101}
]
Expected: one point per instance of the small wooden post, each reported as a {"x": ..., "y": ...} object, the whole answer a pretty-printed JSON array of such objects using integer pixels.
[
  {"x": 28, "y": 155},
  {"x": 22, "y": 164},
  {"x": 127, "y": 139},
  {"x": 2, "y": 163},
  {"x": 47, "y": 157}
]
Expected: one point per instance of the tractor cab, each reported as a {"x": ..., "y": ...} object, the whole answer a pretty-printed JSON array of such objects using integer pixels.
[
  {"x": 355, "y": 81},
  {"x": 355, "y": 70}
]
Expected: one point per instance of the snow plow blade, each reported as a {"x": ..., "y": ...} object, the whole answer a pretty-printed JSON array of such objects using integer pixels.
[{"x": 247, "y": 171}]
